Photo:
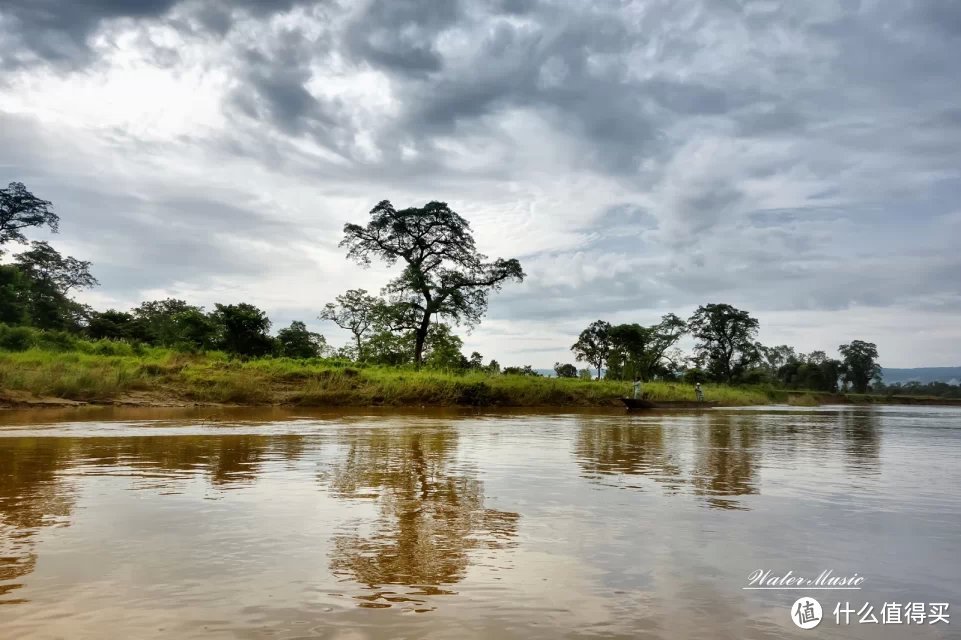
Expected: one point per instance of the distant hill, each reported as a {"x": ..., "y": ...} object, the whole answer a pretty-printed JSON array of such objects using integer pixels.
[{"x": 951, "y": 375}]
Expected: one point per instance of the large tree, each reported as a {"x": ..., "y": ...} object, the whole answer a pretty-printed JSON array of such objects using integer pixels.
[
  {"x": 20, "y": 209},
  {"x": 49, "y": 277},
  {"x": 594, "y": 345},
  {"x": 629, "y": 344},
  {"x": 444, "y": 275},
  {"x": 194, "y": 330},
  {"x": 296, "y": 341},
  {"x": 644, "y": 351},
  {"x": 110, "y": 324},
  {"x": 159, "y": 321},
  {"x": 244, "y": 329},
  {"x": 44, "y": 263},
  {"x": 860, "y": 364},
  {"x": 725, "y": 340}
]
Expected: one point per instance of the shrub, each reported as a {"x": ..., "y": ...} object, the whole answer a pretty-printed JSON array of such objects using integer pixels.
[
  {"x": 56, "y": 341},
  {"x": 16, "y": 338}
]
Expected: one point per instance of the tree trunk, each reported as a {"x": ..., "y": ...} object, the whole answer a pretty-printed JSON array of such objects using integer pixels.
[
  {"x": 420, "y": 336},
  {"x": 360, "y": 351}
]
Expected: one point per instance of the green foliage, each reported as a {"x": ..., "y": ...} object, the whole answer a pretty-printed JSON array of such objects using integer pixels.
[
  {"x": 84, "y": 374},
  {"x": 19, "y": 210},
  {"x": 33, "y": 290},
  {"x": 695, "y": 375},
  {"x": 16, "y": 338},
  {"x": 244, "y": 330},
  {"x": 156, "y": 321},
  {"x": 194, "y": 330},
  {"x": 357, "y": 312},
  {"x": 386, "y": 347},
  {"x": 296, "y": 341},
  {"x": 13, "y": 289},
  {"x": 111, "y": 325},
  {"x": 443, "y": 275},
  {"x": 814, "y": 371},
  {"x": 860, "y": 364},
  {"x": 638, "y": 351},
  {"x": 725, "y": 341},
  {"x": 43, "y": 263},
  {"x": 443, "y": 349},
  {"x": 594, "y": 345},
  {"x": 914, "y": 388},
  {"x": 476, "y": 361},
  {"x": 526, "y": 370},
  {"x": 565, "y": 370}
]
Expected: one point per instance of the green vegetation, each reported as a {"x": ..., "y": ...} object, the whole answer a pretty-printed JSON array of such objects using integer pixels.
[
  {"x": 726, "y": 351},
  {"x": 403, "y": 349},
  {"x": 443, "y": 275},
  {"x": 107, "y": 371}
]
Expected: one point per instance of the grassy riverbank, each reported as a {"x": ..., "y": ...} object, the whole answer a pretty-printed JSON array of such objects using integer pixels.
[{"x": 160, "y": 376}]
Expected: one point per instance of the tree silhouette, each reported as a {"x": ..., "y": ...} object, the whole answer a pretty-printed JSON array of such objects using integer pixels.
[
  {"x": 20, "y": 209},
  {"x": 860, "y": 363},
  {"x": 444, "y": 274}
]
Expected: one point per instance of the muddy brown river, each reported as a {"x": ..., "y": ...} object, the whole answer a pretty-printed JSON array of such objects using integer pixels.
[{"x": 291, "y": 524}]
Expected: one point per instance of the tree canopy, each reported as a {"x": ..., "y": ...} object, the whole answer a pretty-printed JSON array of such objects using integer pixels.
[
  {"x": 444, "y": 275},
  {"x": 356, "y": 311},
  {"x": 860, "y": 364},
  {"x": 296, "y": 341},
  {"x": 46, "y": 277},
  {"x": 245, "y": 329},
  {"x": 565, "y": 370},
  {"x": 594, "y": 345},
  {"x": 725, "y": 340},
  {"x": 19, "y": 210}
]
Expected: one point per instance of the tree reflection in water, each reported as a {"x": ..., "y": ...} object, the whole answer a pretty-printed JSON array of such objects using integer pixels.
[
  {"x": 37, "y": 477},
  {"x": 32, "y": 497},
  {"x": 605, "y": 449},
  {"x": 726, "y": 462},
  {"x": 431, "y": 515},
  {"x": 723, "y": 461},
  {"x": 862, "y": 439}
]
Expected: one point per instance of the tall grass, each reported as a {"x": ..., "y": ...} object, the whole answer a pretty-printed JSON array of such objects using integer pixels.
[
  {"x": 213, "y": 378},
  {"x": 63, "y": 366}
]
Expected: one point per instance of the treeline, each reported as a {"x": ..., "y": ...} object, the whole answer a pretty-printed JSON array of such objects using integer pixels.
[
  {"x": 934, "y": 389},
  {"x": 725, "y": 350},
  {"x": 445, "y": 280}
]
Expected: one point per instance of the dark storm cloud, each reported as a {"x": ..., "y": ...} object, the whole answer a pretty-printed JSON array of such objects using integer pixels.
[
  {"x": 777, "y": 155},
  {"x": 58, "y": 31},
  {"x": 400, "y": 36},
  {"x": 273, "y": 88},
  {"x": 839, "y": 88}
]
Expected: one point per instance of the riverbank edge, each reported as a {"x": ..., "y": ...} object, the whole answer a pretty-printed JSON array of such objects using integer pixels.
[
  {"x": 165, "y": 378},
  {"x": 14, "y": 400}
]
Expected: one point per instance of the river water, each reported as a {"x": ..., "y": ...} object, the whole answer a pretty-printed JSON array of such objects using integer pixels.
[{"x": 286, "y": 524}]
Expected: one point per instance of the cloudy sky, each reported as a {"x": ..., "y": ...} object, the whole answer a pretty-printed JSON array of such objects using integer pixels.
[{"x": 801, "y": 160}]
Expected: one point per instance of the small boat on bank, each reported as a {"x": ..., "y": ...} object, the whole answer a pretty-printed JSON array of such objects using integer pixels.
[{"x": 641, "y": 403}]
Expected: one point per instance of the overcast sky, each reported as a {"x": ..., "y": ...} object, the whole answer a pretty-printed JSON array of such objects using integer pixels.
[{"x": 801, "y": 160}]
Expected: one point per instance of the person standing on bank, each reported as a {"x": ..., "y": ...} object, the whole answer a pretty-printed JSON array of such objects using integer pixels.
[
  {"x": 637, "y": 387},
  {"x": 698, "y": 393}
]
